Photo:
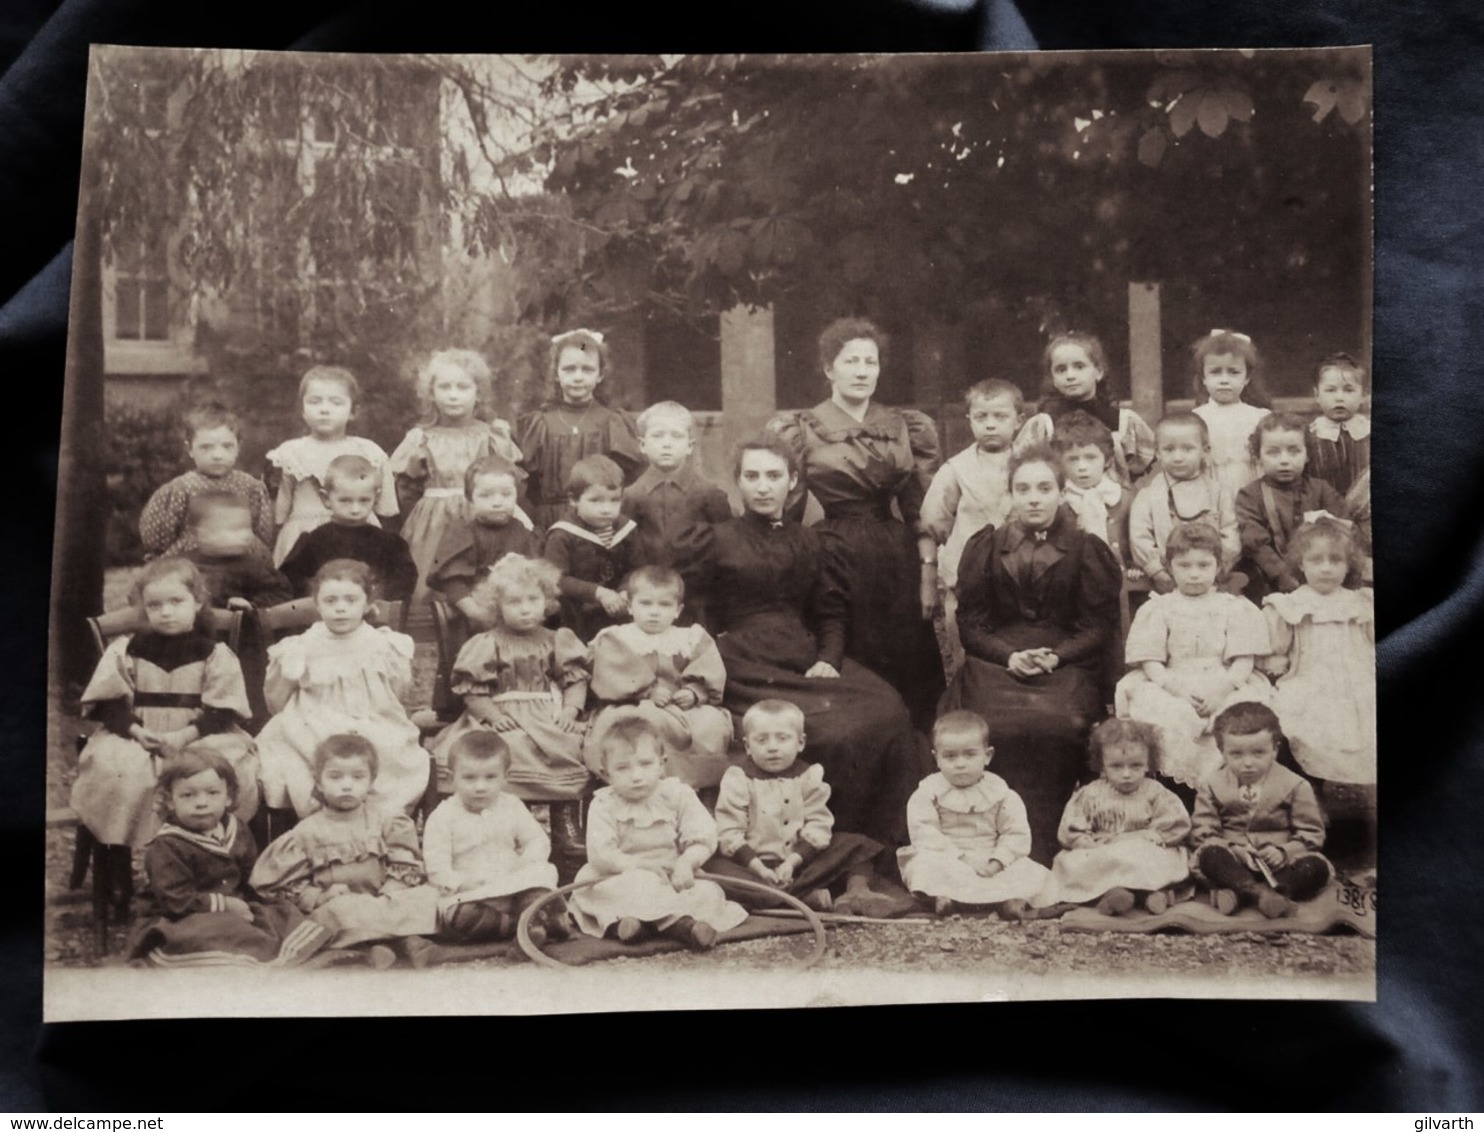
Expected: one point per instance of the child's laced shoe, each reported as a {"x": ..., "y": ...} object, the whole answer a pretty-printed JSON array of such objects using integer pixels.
[
  {"x": 628, "y": 929},
  {"x": 1115, "y": 902},
  {"x": 1224, "y": 900},
  {"x": 695, "y": 935},
  {"x": 1016, "y": 911},
  {"x": 943, "y": 906},
  {"x": 1157, "y": 902},
  {"x": 819, "y": 899},
  {"x": 380, "y": 956},
  {"x": 1274, "y": 905}
]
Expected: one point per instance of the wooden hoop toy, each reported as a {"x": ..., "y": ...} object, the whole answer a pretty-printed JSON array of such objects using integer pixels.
[{"x": 536, "y": 955}]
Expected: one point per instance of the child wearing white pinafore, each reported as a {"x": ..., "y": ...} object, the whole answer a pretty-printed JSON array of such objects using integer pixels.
[
  {"x": 971, "y": 840},
  {"x": 1122, "y": 835},
  {"x": 646, "y": 837},
  {"x": 1191, "y": 655}
]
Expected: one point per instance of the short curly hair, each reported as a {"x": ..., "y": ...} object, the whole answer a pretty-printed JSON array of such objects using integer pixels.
[
  {"x": 1197, "y": 535},
  {"x": 512, "y": 572},
  {"x": 1274, "y": 422},
  {"x": 182, "y": 570},
  {"x": 474, "y": 367},
  {"x": 1332, "y": 531},
  {"x": 187, "y": 763},
  {"x": 346, "y": 747},
  {"x": 1115, "y": 732}
]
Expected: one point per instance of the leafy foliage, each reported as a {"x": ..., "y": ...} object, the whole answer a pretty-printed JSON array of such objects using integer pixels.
[{"x": 902, "y": 183}]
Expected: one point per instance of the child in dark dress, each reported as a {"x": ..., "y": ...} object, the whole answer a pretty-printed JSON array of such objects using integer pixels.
[
  {"x": 350, "y": 493},
  {"x": 1340, "y": 436},
  {"x": 592, "y": 548},
  {"x": 233, "y": 563},
  {"x": 495, "y": 527}
]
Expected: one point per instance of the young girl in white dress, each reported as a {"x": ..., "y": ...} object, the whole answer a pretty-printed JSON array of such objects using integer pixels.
[
  {"x": 327, "y": 400},
  {"x": 646, "y": 837},
  {"x": 1226, "y": 371},
  {"x": 341, "y": 676},
  {"x": 454, "y": 392},
  {"x": 971, "y": 840},
  {"x": 1076, "y": 375},
  {"x": 353, "y": 863},
  {"x": 1324, "y": 655},
  {"x": 1122, "y": 834},
  {"x": 169, "y": 687},
  {"x": 1192, "y": 653}
]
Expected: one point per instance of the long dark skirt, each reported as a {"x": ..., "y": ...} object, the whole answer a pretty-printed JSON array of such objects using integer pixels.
[
  {"x": 878, "y": 561},
  {"x": 848, "y": 854},
  {"x": 1038, "y": 729},
  {"x": 856, "y": 726}
]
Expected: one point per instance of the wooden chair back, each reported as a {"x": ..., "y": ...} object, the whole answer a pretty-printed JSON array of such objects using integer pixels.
[
  {"x": 295, "y": 616},
  {"x": 225, "y": 625}
]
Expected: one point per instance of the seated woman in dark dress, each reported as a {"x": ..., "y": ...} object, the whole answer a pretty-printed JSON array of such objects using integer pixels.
[
  {"x": 775, "y": 603},
  {"x": 1037, "y": 605}
]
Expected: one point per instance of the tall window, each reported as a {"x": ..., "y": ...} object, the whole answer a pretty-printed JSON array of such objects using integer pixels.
[{"x": 142, "y": 291}]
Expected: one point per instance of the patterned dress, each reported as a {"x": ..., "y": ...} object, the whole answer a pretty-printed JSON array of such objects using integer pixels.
[
  {"x": 372, "y": 853},
  {"x": 525, "y": 674},
  {"x": 303, "y": 462},
  {"x": 629, "y": 665},
  {"x": 956, "y": 830},
  {"x": 555, "y": 437},
  {"x": 1113, "y": 840},
  {"x": 162, "y": 523},
  {"x": 657, "y": 829},
  {"x": 321, "y": 685},
  {"x": 857, "y": 471},
  {"x": 162, "y": 683},
  {"x": 1327, "y": 698},
  {"x": 1196, "y": 638},
  {"x": 429, "y": 466}
]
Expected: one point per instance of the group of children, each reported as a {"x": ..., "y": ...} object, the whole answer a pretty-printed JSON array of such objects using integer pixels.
[{"x": 580, "y": 657}]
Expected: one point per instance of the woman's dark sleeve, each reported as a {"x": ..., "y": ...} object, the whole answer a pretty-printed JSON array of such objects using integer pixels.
[
  {"x": 976, "y": 596},
  {"x": 692, "y": 556},
  {"x": 1096, "y": 587},
  {"x": 829, "y": 599}
]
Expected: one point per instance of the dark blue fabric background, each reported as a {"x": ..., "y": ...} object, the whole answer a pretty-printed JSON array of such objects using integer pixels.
[{"x": 1416, "y": 1049}]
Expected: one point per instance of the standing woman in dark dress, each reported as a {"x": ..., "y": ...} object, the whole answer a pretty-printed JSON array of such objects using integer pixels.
[
  {"x": 1038, "y": 603},
  {"x": 858, "y": 458},
  {"x": 774, "y": 602}
]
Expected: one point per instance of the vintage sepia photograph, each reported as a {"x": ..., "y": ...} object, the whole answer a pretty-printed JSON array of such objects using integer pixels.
[{"x": 585, "y": 533}]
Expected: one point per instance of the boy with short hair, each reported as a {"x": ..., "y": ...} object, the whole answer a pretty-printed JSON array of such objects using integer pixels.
[
  {"x": 485, "y": 853},
  {"x": 971, "y": 491},
  {"x": 349, "y": 494},
  {"x": 592, "y": 548},
  {"x": 670, "y": 498},
  {"x": 1257, "y": 828},
  {"x": 774, "y": 824},
  {"x": 1340, "y": 436},
  {"x": 212, "y": 438},
  {"x": 1100, "y": 502}
]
